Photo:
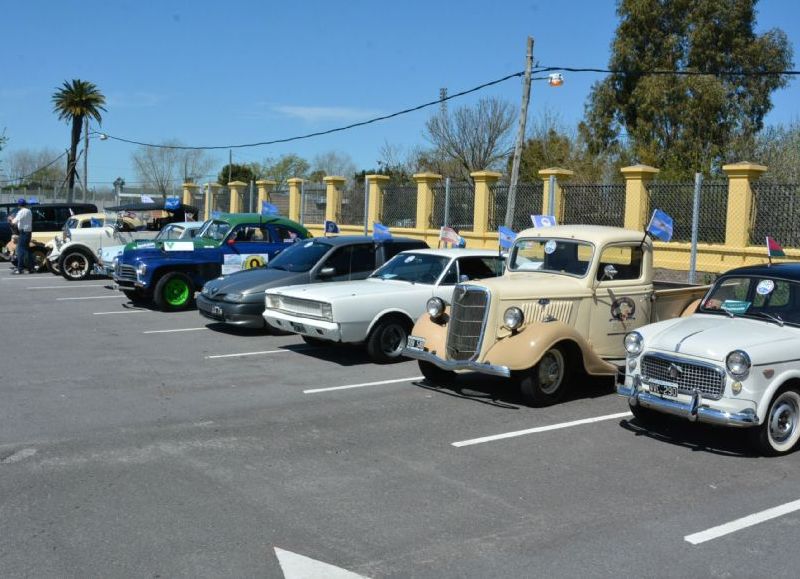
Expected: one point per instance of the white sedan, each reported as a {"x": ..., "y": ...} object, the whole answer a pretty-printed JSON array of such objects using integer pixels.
[{"x": 382, "y": 309}]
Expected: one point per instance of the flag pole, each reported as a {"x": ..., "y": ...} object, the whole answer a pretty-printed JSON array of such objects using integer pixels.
[{"x": 769, "y": 253}]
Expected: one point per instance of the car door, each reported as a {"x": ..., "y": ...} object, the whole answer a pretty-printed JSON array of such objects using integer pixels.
[{"x": 246, "y": 246}]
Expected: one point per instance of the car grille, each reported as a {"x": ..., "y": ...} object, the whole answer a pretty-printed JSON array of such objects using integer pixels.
[
  {"x": 126, "y": 272},
  {"x": 300, "y": 307},
  {"x": 467, "y": 318},
  {"x": 687, "y": 376}
]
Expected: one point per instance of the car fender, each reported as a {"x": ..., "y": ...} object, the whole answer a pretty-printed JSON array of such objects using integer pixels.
[
  {"x": 762, "y": 404},
  {"x": 70, "y": 246},
  {"x": 385, "y": 312},
  {"x": 435, "y": 334},
  {"x": 524, "y": 349}
]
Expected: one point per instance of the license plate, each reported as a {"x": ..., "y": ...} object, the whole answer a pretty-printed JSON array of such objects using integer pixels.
[
  {"x": 216, "y": 311},
  {"x": 299, "y": 328},
  {"x": 664, "y": 390},
  {"x": 416, "y": 343}
]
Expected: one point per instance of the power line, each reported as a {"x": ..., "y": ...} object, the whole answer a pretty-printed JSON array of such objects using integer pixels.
[
  {"x": 35, "y": 171},
  {"x": 667, "y": 72}
]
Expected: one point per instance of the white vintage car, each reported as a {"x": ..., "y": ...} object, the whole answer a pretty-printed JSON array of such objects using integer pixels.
[
  {"x": 736, "y": 362},
  {"x": 381, "y": 309}
]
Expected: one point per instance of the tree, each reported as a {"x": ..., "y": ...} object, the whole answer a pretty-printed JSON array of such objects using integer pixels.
[
  {"x": 333, "y": 163},
  {"x": 777, "y": 147},
  {"x": 162, "y": 168},
  {"x": 35, "y": 168},
  {"x": 682, "y": 124},
  {"x": 234, "y": 172},
  {"x": 283, "y": 168},
  {"x": 73, "y": 102},
  {"x": 474, "y": 138}
]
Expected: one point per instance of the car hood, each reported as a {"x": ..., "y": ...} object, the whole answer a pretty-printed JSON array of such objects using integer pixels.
[
  {"x": 714, "y": 336},
  {"x": 256, "y": 280},
  {"x": 325, "y": 292}
]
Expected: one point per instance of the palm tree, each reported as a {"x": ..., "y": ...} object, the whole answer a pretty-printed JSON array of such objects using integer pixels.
[{"x": 75, "y": 101}]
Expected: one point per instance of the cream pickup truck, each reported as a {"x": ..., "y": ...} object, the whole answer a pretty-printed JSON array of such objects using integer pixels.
[{"x": 568, "y": 297}]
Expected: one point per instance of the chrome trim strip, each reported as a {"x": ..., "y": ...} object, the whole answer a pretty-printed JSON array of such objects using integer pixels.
[
  {"x": 457, "y": 364},
  {"x": 777, "y": 362}
]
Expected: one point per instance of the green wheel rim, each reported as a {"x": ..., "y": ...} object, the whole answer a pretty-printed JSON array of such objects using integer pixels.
[{"x": 176, "y": 292}]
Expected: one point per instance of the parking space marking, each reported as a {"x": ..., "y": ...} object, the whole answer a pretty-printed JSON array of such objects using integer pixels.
[
  {"x": 171, "y": 331},
  {"x": 743, "y": 523},
  {"x": 71, "y": 286},
  {"x": 118, "y": 312},
  {"x": 364, "y": 385},
  {"x": 88, "y": 298},
  {"x": 255, "y": 353},
  {"x": 538, "y": 429}
]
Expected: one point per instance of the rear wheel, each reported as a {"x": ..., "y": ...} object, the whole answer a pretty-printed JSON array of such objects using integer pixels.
[
  {"x": 387, "y": 339},
  {"x": 435, "y": 375},
  {"x": 38, "y": 259},
  {"x": 75, "y": 265},
  {"x": 781, "y": 429},
  {"x": 545, "y": 383},
  {"x": 174, "y": 291}
]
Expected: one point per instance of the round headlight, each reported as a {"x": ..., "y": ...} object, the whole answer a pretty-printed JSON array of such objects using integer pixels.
[
  {"x": 738, "y": 363},
  {"x": 633, "y": 343},
  {"x": 435, "y": 307},
  {"x": 141, "y": 269},
  {"x": 513, "y": 318}
]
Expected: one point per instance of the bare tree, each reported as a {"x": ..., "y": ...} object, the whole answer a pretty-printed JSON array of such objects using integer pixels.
[
  {"x": 35, "y": 167},
  {"x": 334, "y": 163},
  {"x": 476, "y": 138},
  {"x": 282, "y": 169},
  {"x": 163, "y": 168}
]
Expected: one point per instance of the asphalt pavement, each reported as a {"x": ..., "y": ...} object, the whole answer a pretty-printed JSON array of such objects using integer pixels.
[{"x": 137, "y": 443}]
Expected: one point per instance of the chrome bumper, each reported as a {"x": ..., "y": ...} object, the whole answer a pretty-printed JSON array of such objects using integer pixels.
[
  {"x": 692, "y": 411},
  {"x": 454, "y": 365}
]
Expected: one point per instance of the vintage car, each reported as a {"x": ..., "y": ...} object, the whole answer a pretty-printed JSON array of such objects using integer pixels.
[
  {"x": 173, "y": 231},
  {"x": 75, "y": 251},
  {"x": 238, "y": 299},
  {"x": 733, "y": 363},
  {"x": 155, "y": 215},
  {"x": 569, "y": 295},
  {"x": 381, "y": 309},
  {"x": 170, "y": 272}
]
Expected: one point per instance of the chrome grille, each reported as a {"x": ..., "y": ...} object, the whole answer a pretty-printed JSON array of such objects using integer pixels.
[
  {"x": 688, "y": 376},
  {"x": 467, "y": 318},
  {"x": 299, "y": 306},
  {"x": 126, "y": 272}
]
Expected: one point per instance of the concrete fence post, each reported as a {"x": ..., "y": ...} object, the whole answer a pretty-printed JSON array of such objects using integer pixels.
[
  {"x": 333, "y": 196},
  {"x": 236, "y": 189},
  {"x": 377, "y": 184},
  {"x": 483, "y": 197},
  {"x": 637, "y": 200},
  {"x": 561, "y": 175},
  {"x": 294, "y": 198},
  {"x": 425, "y": 183},
  {"x": 740, "y": 212},
  {"x": 189, "y": 191},
  {"x": 265, "y": 189},
  {"x": 212, "y": 190}
]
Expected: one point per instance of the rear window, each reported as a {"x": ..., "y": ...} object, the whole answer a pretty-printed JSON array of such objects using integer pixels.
[{"x": 392, "y": 248}]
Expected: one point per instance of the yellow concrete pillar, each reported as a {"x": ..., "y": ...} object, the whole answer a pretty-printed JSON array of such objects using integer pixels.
[
  {"x": 740, "y": 202},
  {"x": 294, "y": 198},
  {"x": 237, "y": 189},
  {"x": 333, "y": 195},
  {"x": 212, "y": 190},
  {"x": 561, "y": 175},
  {"x": 483, "y": 197},
  {"x": 377, "y": 183},
  {"x": 189, "y": 190},
  {"x": 637, "y": 200},
  {"x": 265, "y": 189},
  {"x": 425, "y": 183}
]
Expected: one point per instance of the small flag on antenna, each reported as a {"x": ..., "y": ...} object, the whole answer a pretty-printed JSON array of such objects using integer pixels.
[{"x": 774, "y": 248}]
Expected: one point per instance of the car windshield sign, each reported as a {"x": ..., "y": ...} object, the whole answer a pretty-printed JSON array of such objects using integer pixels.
[
  {"x": 770, "y": 299},
  {"x": 413, "y": 267},
  {"x": 564, "y": 256}
]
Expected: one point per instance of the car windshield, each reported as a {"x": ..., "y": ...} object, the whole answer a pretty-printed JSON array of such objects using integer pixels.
[
  {"x": 213, "y": 229},
  {"x": 413, "y": 267},
  {"x": 773, "y": 299},
  {"x": 170, "y": 232},
  {"x": 301, "y": 256},
  {"x": 565, "y": 256}
]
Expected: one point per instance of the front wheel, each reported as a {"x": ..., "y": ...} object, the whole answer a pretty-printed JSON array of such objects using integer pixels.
[
  {"x": 781, "y": 429},
  {"x": 75, "y": 265},
  {"x": 173, "y": 292},
  {"x": 435, "y": 375},
  {"x": 387, "y": 340},
  {"x": 545, "y": 383}
]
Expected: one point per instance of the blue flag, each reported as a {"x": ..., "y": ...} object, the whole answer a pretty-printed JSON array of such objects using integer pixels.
[
  {"x": 33, "y": 201},
  {"x": 543, "y": 221},
  {"x": 268, "y": 208},
  {"x": 506, "y": 237},
  {"x": 94, "y": 222},
  {"x": 331, "y": 227},
  {"x": 172, "y": 203},
  {"x": 660, "y": 225},
  {"x": 215, "y": 214},
  {"x": 380, "y": 231}
]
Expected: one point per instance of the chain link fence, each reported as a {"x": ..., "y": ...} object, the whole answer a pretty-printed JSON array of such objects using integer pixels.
[
  {"x": 399, "y": 206},
  {"x": 222, "y": 200},
  {"x": 594, "y": 204},
  {"x": 280, "y": 199},
  {"x": 313, "y": 201},
  {"x": 528, "y": 202},
  {"x": 460, "y": 212},
  {"x": 352, "y": 211},
  {"x": 777, "y": 213},
  {"x": 677, "y": 200}
]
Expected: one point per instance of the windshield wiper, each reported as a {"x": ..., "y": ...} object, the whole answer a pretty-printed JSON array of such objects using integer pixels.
[
  {"x": 772, "y": 317},
  {"x": 727, "y": 311}
]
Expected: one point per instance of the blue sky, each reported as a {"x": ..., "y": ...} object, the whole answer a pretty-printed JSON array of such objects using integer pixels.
[{"x": 213, "y": 73}]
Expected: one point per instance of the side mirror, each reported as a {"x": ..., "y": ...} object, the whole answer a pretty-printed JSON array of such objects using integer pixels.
[
  {"x": 231, "y": 241},
  {"x": 327, "y": 272},
  {"x": 609, "y": 272}
]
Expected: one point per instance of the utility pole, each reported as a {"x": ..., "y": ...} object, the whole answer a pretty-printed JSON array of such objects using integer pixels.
[
  {"x": 523, "y": 116},
  {"x": 85, "y": 156},
  {"x": 230, "y": 165},
  {"x": 443, "y": 98}
]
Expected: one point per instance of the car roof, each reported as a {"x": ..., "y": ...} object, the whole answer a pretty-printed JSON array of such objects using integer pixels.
[
  {"x": 786, "y": 270},
  {"x": 52, "y": 205},
  {"x": 238, "y": 218},
  {"x": 596, "y": 234},
  {"x": 456, "y": 252}
]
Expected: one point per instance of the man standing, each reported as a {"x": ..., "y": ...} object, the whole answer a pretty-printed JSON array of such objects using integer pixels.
[{"x": 24, "y": 222}]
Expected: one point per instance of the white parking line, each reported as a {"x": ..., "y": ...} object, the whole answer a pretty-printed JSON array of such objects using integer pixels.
[
  {"x": 743, "y": 523},
  {"x": 88, "y": 298},
  {"x": 284, "y": 351},
  {"x": 364, "y": 385},
  {"x": 71, "y": 286},
  {"x": 170, "y": 331},
  {"x": 123, "y": 312},
  {"x": 538, "y": 429}
]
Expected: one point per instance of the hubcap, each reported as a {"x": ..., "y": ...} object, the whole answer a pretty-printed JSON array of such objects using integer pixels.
[
  {"x": 75, "y": 265},
  {"x": 783, "y": 418},
  {"x": 551, "y": 371},
  {"x": 392, "y": 340},
  {"x": 176, "y": 292}
]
